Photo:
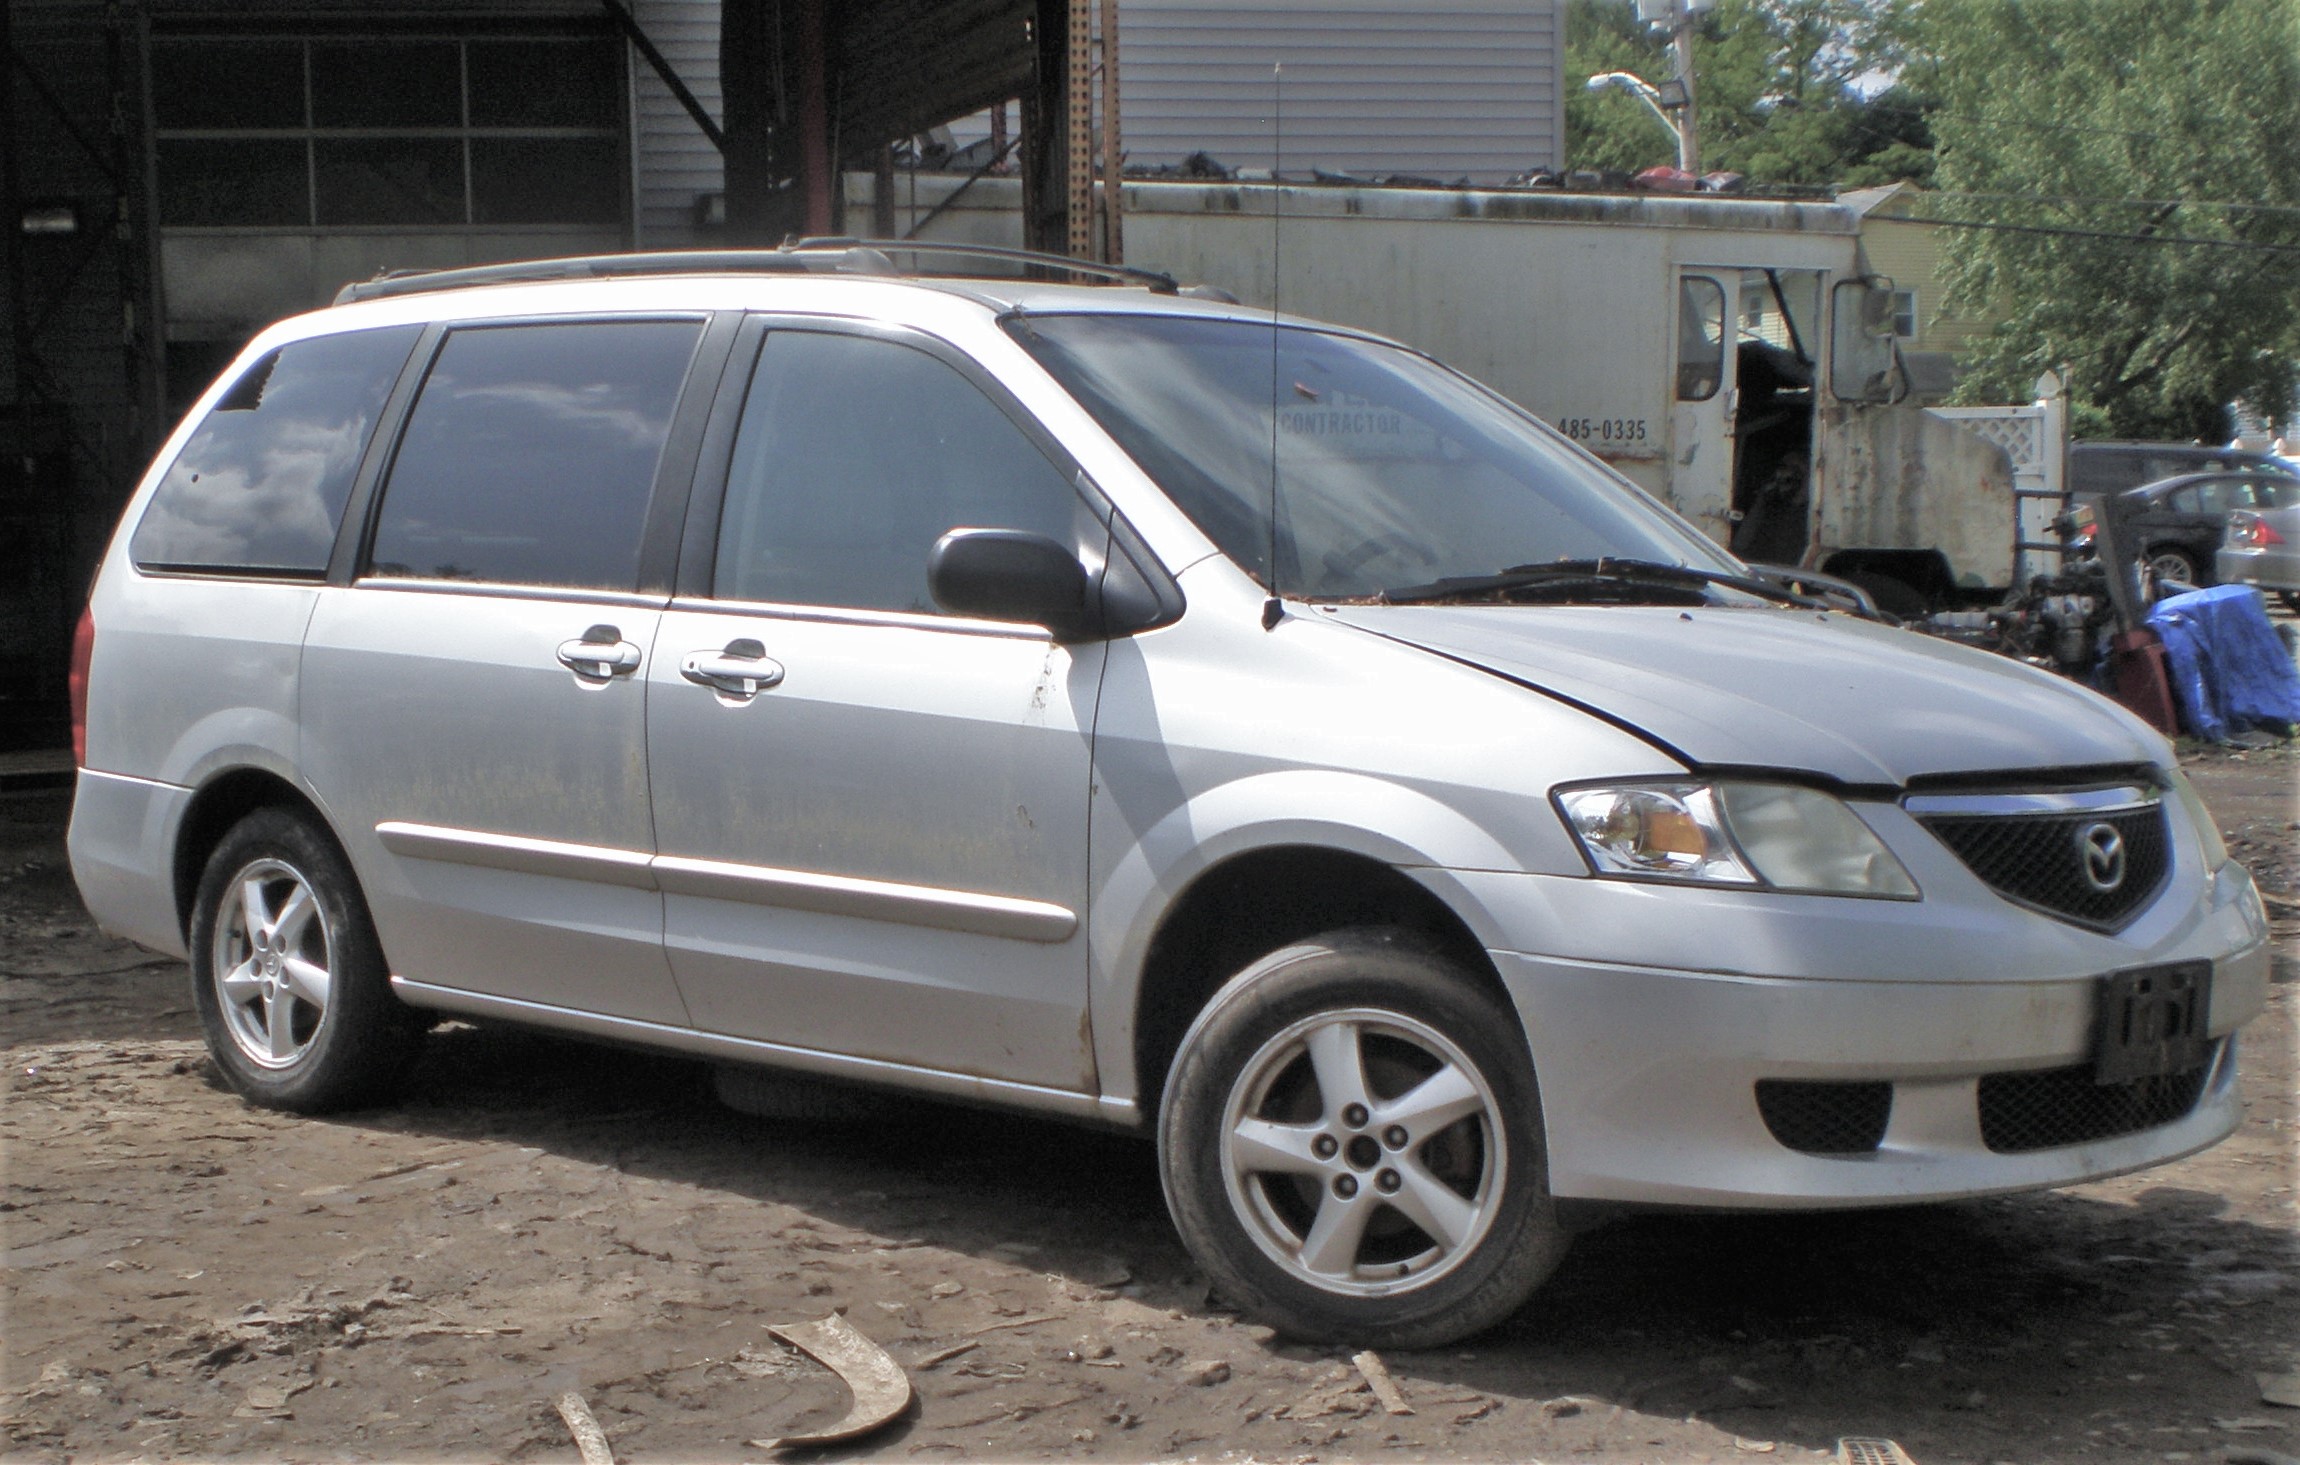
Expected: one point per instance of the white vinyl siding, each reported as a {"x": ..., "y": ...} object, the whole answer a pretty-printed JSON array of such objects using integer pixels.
[
  {"x": 1451, "y": 89},
  {"x": 674, "y": 163}
]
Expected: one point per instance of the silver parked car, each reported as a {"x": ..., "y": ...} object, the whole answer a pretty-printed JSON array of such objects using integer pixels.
[
  {"x": 2262, "y": 543},
  {"x": 1125, "y": 706}
]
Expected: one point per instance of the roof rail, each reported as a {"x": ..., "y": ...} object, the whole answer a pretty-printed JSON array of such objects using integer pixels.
[{"x": 801, "y": 256}]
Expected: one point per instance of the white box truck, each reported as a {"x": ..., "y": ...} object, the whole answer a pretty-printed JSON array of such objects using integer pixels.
[{"x": 1734, "y": 356}]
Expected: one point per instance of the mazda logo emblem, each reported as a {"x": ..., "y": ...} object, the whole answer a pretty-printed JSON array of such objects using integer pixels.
[{"x": 2100, "y": 850}]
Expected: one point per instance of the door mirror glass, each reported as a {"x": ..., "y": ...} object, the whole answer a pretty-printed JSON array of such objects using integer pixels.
[
  {"x": 1011, "y": 575},
  {"x": 1864, "y": 354}
]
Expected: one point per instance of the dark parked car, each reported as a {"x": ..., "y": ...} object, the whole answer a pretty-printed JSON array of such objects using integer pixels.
[
  {"x": 2176, "y": 525},
  {"x": 2096, "y": 468}
]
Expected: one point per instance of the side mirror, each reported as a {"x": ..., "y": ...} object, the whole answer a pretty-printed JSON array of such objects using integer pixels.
[
  {"x": 1864, "y": 354},
  {"x": 1009, "y": 575}
]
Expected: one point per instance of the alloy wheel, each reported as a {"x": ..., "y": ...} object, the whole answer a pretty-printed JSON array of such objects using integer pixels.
[
  {"x": 273, "y": 956},
  {"x": 1363, "y": 1152}
]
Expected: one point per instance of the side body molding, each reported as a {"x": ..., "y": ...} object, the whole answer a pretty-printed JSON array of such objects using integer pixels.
[{"x": 886, "y": 900}]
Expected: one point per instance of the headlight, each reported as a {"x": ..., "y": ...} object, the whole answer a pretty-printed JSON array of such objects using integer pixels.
[
  {"x": 1755, "y": 834},
  {"x": 2192, "y": 803}
]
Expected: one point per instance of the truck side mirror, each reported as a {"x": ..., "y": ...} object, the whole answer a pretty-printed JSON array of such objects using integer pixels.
[{"x": 1864, "y": 353}]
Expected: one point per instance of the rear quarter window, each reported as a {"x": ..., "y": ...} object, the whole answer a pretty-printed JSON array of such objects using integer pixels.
[{"x": 261, "y": 485}]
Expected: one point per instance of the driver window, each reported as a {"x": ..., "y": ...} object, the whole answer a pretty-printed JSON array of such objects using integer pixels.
[
  {"x": 1700, "y": 338},
  {"x": 854, "y": 456}
]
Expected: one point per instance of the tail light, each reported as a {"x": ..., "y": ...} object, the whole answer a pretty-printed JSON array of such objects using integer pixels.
[
  {"x": 2251, "y": 531},
  {"x": 83, "y": 650}
]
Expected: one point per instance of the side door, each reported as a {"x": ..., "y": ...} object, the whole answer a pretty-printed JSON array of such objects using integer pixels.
[
  {"x": 872, "y": 815},
  {"x": 474, "y": 689},
  {"x": 1701, "y": 416}
]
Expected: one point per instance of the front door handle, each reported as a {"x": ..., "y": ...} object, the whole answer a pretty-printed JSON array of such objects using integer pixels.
[
  {"x": 738, "y": 672},
  {"x": 600, "y": 655}
]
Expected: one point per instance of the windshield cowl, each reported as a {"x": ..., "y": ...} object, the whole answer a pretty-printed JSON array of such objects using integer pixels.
[{"x": 1598, "y": 581}]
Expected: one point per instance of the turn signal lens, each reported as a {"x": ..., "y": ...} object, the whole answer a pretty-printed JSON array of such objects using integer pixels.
[{"x": 2200, "y": 819}]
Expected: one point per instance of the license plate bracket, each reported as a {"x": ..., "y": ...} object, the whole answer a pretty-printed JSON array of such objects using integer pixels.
[{"x": 2150, "y": 1021}]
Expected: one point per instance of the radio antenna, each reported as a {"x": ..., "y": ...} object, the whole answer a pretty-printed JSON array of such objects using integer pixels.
[{"x": 1274, "y": 608}]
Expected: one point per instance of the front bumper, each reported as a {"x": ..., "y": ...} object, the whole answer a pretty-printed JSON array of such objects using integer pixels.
[
  {"x": 1653, "y": 1013},
  {"x": 1649, "y": 1082}
]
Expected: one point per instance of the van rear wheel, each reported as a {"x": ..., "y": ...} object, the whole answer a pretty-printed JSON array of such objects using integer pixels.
[
  {"x": 288, "y": 977},
  {"x": 1351, "y": 1143}
]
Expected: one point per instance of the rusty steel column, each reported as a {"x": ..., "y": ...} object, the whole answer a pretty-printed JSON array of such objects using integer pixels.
[
  {"x": 814, "y": 119},
  {"x": 141, "y": 277},
  {"x": 754, "y": 126},
  {"x": 1078, "y": 150},
  {"x": 1045, "y": 179},
  {"x": 1113, "y": 202},
  {"x": 882, "y": 193}
]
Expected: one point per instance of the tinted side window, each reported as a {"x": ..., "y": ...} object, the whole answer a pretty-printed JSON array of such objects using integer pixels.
[
  {"x": 262, "y": 482},
  {"x": 854, "y": 456},
  {"x": 530, "y": 454},
  {"x": 2216, "y": 497}
]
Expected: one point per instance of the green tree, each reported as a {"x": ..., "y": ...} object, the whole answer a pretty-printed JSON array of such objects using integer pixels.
[
  {"x": 1789, "y": 91},
  {"x": 2154, "y": 148}
]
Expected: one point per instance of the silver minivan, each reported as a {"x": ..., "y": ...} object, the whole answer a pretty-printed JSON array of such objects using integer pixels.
[{"x": 1126, "y": 706}]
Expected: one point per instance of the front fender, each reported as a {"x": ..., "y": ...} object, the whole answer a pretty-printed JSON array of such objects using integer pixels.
[{"x": 1420, "y": 836}]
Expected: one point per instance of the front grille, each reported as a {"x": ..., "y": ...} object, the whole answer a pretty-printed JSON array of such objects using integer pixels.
[
  {"x": 2051, "y": 1107},
  {"x": 2041, "y": 859},
  {"x": 1825, "y": 1118}
]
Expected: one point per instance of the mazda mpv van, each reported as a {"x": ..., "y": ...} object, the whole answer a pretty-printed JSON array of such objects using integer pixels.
[{"x": 1120, "y": 705}]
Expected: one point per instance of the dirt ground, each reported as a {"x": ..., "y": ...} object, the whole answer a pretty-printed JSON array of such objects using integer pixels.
[{"x": 190, "y": 1277}]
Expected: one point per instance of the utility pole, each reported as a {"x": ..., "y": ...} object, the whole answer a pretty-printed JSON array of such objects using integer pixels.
[
  {"x": 1678, "y": 18},
  {"x": 1688, "y": 115}
]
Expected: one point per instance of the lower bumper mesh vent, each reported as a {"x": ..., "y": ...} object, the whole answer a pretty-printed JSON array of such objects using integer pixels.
[
  {"x": 1820, "y": 1118},
  {"x": 2051, "y": 1107}
]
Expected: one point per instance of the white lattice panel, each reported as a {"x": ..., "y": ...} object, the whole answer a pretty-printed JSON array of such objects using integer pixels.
[{"x": 2020, "y": 431}]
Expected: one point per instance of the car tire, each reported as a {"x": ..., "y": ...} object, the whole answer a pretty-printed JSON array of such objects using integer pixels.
[
  {"x": 290, "y": 982},
  {"x": 2291, "y": 599},
  {"x": 2173, "y": 564},
  {"x": 1382, "y": 1213}
]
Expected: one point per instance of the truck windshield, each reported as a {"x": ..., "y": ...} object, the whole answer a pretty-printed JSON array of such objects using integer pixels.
[{"x": 1392, "y": 473}]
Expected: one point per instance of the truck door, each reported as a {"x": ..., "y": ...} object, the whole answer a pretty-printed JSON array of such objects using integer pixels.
[{"x": 1701, "y": 412}]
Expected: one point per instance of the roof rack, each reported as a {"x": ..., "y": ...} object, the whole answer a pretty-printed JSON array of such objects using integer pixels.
[{"x": 836, "y": 256}]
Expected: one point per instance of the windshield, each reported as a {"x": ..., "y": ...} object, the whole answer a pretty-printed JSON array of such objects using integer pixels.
[{"x": 1392, "y": 472}]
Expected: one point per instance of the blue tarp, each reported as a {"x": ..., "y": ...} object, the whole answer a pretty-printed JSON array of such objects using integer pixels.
[{"x": 2230, "y": 671}]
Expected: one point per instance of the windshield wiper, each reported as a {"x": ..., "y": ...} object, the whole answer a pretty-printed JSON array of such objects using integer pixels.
[{"x": 1603, "y": 570}]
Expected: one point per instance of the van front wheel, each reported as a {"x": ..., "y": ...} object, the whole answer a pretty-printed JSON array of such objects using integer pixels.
[{"x": 1351, "y": 1144}]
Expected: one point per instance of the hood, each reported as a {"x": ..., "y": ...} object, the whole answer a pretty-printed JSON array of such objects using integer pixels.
[{"x": 1743, "y": 687}]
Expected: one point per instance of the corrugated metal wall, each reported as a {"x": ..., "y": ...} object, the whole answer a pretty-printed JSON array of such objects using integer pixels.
[
  {"x": 1444, "y": 90},
  {"x": 1448, "y": 89},
  {"x": 674, "y": 162}
]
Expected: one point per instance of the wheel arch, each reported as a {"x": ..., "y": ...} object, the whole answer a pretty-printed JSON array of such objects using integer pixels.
[
  {"x": 1255, "y": 901},
  {"x": 222, "y": 801}
]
